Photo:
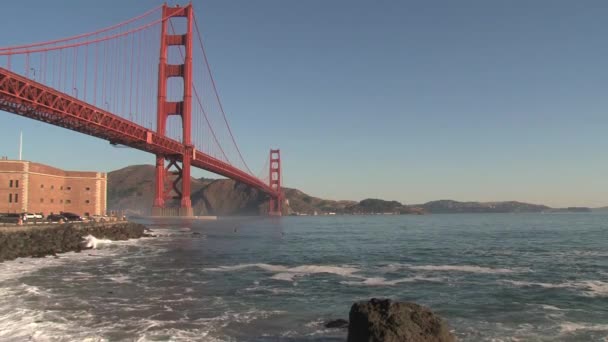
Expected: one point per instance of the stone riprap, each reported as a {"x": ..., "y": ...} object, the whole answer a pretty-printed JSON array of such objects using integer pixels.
[{"x": 50, "y": 239}]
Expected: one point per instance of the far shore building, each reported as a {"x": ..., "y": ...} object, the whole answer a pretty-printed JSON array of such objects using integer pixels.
[{"x": 28, "y": 187}]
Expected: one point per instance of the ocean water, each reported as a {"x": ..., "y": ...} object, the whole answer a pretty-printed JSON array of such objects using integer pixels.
[{"x": 493, "y": 277}]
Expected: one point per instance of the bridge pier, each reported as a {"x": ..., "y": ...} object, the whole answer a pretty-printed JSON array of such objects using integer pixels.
[
  {"x": 159, "y": 187},
  {"x": 275, "y": 203},
  {"x": 186, "y": 202}
]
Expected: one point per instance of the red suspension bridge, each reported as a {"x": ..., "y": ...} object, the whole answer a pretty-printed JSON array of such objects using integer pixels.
[{"x": 110, "y": 84}]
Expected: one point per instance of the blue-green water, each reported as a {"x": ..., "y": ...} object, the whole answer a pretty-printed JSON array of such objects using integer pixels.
[{"x": 494, "y": 277}]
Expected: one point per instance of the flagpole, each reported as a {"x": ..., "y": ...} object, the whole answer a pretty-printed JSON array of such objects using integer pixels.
[{"x": 20, "y": 144}]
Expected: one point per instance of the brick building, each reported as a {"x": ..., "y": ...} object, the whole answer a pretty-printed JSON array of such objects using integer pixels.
[{"x": 36, "y": 188}]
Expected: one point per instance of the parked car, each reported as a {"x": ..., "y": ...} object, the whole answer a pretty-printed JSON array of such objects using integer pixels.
[
  {"x": 55, "y": 218},
  {"x": 31, "y": 216},
  {"x": 71, "y": 216},
  {"x": 9, "y": 218},
  {"x": 99, "y": 218}
]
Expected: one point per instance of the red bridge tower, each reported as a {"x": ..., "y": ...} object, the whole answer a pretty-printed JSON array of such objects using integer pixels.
[
  {"x": 275, "y": 204},
  {"x": 182, "y": 108}
]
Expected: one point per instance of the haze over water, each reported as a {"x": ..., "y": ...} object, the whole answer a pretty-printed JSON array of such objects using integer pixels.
[{"x": 493, "y": 277}]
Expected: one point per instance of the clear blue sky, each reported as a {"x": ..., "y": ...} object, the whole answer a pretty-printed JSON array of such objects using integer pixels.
[{"x": 404, "y": 100}]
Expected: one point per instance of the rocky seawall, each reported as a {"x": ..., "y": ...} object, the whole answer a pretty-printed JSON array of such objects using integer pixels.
[{"x": 42, "y": 240}]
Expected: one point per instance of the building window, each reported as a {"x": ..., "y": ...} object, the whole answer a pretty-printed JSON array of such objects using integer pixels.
[
  {"x": 10, "y": 183},
  {"x": 61, "y": 188},
  {"x": 16, "y": 198},
  {"x": 87, "y": 214},
  {"x": 87, "y": 201},
  {"x": 17, "y": 183},
  {"x": 52, "y": 200},
  {"x": 69, "y": 188},
  {"x": 61, "y": 201},
  {"x": 68, "y": 201},
  {"x": 41, "y": 186},
  {"x": 52, "y": 187},
  {"x": 42, "y": 200},
  {"x": 10, "y": 198},
  {"x": 87, "y": 189}
]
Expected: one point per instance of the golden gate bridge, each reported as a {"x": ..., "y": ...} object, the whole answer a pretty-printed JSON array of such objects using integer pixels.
[{"x": 145, "y": 83}]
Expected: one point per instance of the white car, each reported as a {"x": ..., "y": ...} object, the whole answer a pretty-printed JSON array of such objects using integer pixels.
[
  {"x": 31, "y": 216},
  {"x": 99, "y": 218}
]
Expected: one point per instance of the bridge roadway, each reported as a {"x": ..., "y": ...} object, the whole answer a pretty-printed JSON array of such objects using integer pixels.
[{"x": 28, "y": 98}]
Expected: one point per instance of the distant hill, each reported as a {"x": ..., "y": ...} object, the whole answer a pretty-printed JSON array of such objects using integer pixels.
[
  {"x": 570, "y": 210},
  {"x": 449, "y": 206},
  {"x": 132, "y": 188},
  {"x": 300, "y": 202},
  {"x": 378, "y": 206}
]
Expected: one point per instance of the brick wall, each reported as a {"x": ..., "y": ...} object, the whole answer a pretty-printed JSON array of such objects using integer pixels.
[
  {"x": 49, "y": 190},
  {"x": 12, "y": 174}
]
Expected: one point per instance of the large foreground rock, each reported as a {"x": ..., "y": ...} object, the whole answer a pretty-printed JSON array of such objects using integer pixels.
[{"x": 382, "y": 320}]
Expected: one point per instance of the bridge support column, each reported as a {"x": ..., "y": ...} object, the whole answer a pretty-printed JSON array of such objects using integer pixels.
[
  {"x": 275, "y": 203},
  {"x": 181, "y": 108},
  {"x": 159, "y": 187},
  {"x": 186, "y": 202}
]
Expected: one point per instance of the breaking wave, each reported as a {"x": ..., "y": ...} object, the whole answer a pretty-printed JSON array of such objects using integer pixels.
[
  {"x": 453, "y": 268},
  {"x": 589, "y": 288},
  {"x": 291, "y": 273},
  {"x": 380, "y": 281}
]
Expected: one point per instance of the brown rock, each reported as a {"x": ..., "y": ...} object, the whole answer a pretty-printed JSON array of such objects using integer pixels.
[
  {"x": 382, "y": 320},
  {"x": 337, "y": 324}
]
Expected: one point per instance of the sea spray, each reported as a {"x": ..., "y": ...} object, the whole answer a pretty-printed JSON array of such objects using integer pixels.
[{"x": 90, "y": 241}]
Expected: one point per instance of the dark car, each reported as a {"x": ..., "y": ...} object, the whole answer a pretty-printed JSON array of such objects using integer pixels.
[
  {"x": 71, "y": 216},
  {"x": 55, "y": 218},
  {"x": 9, "y": 218}
]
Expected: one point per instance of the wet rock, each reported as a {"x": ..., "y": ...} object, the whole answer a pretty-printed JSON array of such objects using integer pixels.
[
  {"x": 337, "y": 324},
  {"x": 383, "y": 320},
  {"x": 43, "y": 240}
]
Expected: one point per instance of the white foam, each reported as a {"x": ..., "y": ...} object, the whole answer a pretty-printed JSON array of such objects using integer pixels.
[
  {"x": 121, "y": 279},
  {"x": 21, "y": 324},
  {"x": 568, "y": 327},
  {"x": 551, "y": 307},
  {"x": 285, "y": 276},
  {"x": 379, "y": 281},
  {"x": 590, "y": 253},
  {"x": 266, "y": 267},
  {"x": 17, "y": 268},
  {"x": 590, "y": 288},
  {"x": 461, "y": 268},
  {"x": 34, "y": 290},
  {"x": 285, "y": 273},
  {"x": 90, "y": 241},
  {"x": 539, "y": 284},
  {"x": 274, "y": 290},
  {"x": 595, "y": 288}
]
